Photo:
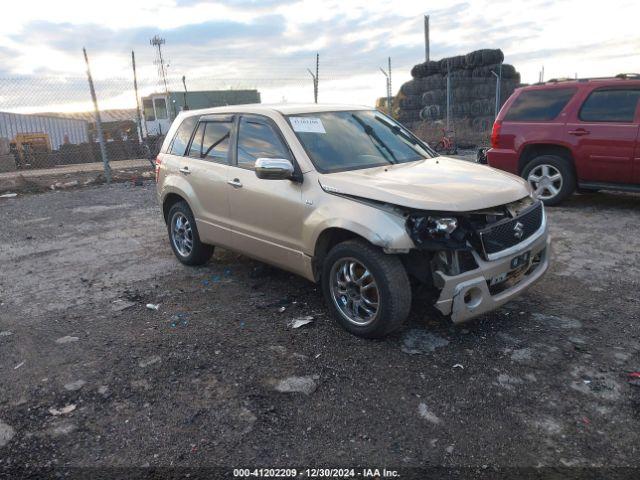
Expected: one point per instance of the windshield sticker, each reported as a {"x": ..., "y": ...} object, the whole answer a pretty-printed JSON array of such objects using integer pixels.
[{"x": 307, "y": 124}]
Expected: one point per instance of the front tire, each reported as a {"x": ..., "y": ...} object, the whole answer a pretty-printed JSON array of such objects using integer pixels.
[
  {"x": 551, "y": 177},
  {"x": 184, "y": 237},
  {"x": 366, "y": 290}
]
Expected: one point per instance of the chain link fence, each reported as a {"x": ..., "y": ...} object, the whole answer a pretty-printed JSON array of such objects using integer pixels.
[
  {"x": 458, "y": 97},
  {"x": 50, "y": 121}
]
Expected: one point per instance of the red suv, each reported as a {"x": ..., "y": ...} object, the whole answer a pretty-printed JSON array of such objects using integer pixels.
[{"x": 571, "y": 134}]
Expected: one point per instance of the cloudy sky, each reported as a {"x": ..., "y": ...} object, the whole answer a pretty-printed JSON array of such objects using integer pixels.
[{"x": 269, "y": 44}]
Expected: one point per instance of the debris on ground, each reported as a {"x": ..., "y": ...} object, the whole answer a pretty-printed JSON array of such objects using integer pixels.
[
  {"x": 306, "y": 385},
  {"x": 6, "y": 433},
  {"x": 153, "y": 306},
  {"x": 67, "y": 339},
  {"x": 119, "y": 305},
  {"x": 6, "y": 333},
  {"x": 103, "y": 389},
  {"x": 60, "y": 185},
  {"x": 73, "y": 386},
  {"x": 63, "y": 411},
  {"x": 634, "y": 379},
  {"x": 62, "y": 429},
  {"x": 427, "y": 414},
  {"x": 417, "y": 341},
  {"x": 19, "y": 365},
  {"x": 300, "y": 322},
  {"x": 8, "y": 195},
  {"x": 458, "y": 365},
  {"x": 149, "y": 361},
  {"x": 179, "y": 319},
  {"x": 282, "y": 309}
]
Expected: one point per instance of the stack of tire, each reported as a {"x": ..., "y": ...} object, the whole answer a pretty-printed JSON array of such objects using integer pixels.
[{"x": 473, "y": 90}]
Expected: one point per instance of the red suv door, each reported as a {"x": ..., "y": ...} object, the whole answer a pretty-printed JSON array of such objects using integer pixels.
[{"x": 603, "y": 135}]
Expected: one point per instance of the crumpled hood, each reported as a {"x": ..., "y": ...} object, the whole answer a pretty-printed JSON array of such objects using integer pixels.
[{"x": 439, "y": 183}]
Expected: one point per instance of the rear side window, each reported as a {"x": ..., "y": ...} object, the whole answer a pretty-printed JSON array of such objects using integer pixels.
[
  {"x": 539, "y": 105},
  {"x": 258, "y": 140},
  {"x": 183, "y": 135},
  {"x": 215, "y": 145},
  {"x": 617, "y": 105},
  {"x": 195, "y": 150}
]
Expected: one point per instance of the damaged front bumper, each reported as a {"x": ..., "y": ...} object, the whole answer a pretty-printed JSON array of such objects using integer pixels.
[{"x": 494, "y": 282}]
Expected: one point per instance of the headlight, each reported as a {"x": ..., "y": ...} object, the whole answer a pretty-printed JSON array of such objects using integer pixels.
[
  {"x": 435, "y": 233},
  {"x": 444, "y": 225}
]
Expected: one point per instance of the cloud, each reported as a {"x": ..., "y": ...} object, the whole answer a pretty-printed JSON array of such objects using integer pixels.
[{"x": 269, "y": 44}]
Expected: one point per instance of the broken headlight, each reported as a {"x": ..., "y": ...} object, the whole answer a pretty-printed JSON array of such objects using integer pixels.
[{"x": 436, "y": 233}]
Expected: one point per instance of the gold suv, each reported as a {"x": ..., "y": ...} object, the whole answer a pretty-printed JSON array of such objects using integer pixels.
[{"x": 347, "y": 197}]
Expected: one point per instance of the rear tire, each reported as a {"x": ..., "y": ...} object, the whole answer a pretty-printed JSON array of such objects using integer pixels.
[
  {"x": 351, "y": 298},
  {"x": 184, "y": 238},
  {"x": 552, "y": 177}
]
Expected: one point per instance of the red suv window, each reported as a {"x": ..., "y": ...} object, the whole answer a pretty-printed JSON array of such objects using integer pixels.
[
  {"x": 612, "y": 105},
  {"x": 539, "y": 105}
]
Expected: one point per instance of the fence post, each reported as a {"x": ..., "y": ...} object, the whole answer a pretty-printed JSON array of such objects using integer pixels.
[
  {"x": 498, "y": 82},
  {"x": 103, "y": 150},
  {"x": 135, "y": 88},
  {"x": 448, "y": 96}
]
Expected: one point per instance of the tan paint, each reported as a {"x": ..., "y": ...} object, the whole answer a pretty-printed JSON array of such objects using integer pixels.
[
  {"x": 435, "y": 184},
  {"x": 280, "y": 221}
]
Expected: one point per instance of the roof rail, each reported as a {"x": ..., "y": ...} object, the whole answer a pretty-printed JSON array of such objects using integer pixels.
[
  {"x": 622, "y": 76},
  {"x": 562, "y": 79},
  {"x": 634, "y": 76}
]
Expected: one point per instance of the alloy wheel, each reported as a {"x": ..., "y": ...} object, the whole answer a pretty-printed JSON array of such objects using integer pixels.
[
  {"x": 181, "y": 234},
  {"x": 354, "y": 291},
  {"x": 546, "y": 180}
]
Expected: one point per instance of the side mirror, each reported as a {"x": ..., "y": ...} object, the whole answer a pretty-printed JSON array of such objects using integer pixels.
[{"x": 273, "y": 168}]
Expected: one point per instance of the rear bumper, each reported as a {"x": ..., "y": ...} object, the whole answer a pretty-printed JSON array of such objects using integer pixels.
[
  {"x": 503, "y": 159},
  {"x": 468, "y": 295}
]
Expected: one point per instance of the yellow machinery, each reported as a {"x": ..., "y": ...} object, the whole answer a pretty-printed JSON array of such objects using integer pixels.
[{"x": 27, "y": 148}]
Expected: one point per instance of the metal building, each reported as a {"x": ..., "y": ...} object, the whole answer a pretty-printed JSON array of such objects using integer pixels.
[
  {"x": 59, "y": 130},
  {"x": 159, "y": 109}
]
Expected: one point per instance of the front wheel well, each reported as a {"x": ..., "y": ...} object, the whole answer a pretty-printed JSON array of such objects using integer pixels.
[
  {"x": 328, "y": 239},
  {"x": 169, "y": 201},
  {"x": 535, "y": 150}
]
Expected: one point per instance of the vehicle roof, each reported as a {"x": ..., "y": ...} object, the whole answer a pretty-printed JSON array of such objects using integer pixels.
[
  {"x": 283, "y": 108},
  {"x": 585, "y": 83}
]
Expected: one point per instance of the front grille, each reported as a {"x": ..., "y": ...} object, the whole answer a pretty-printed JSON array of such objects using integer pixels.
[{"x": 502, "y": 235}]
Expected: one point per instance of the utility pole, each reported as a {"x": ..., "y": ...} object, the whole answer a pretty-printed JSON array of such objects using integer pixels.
[
  {"x": 157, "y": 42},
  {"x": 426, "y": 38},
  {"x": 103, "y": 150},
  {"x": 135, "y": 88},
  {"x": 387, "y": 74},
  {"x": 315, "y": 78}
]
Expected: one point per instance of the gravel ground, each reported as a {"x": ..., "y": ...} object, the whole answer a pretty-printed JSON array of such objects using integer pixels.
[{"x": 216, "y": 377}]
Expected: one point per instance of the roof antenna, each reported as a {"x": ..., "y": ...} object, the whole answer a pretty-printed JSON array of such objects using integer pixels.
[{"x": 184, "y": 82}]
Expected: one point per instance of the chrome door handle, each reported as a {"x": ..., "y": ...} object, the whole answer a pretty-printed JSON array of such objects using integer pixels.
[
  {"x": 579, "y": 132},
  {"x": 235, "y": 183},
  {"x": 185, "y": 170}
]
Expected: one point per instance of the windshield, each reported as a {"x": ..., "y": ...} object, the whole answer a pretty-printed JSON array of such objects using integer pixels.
[{"x": 338, "y": 141}]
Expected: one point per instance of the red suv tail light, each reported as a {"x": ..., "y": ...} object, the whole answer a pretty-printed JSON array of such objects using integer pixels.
[
  {"x": 495, "y": 134},
  {"x": 158, "y": 163}
]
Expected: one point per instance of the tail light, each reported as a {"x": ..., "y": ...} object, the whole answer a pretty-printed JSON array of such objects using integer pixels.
[
  {"x": 158, "y": 163},
  {"x": 495, "y": 134}
]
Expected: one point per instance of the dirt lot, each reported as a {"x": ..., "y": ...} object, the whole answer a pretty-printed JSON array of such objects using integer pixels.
[{"x": 92, "y": 377}]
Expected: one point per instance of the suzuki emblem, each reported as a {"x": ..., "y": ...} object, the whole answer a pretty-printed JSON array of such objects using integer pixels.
[{"x": 518, "y": 230}]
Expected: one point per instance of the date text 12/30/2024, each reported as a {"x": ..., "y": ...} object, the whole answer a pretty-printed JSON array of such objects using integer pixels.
[{"x": 315, "y": 473}]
